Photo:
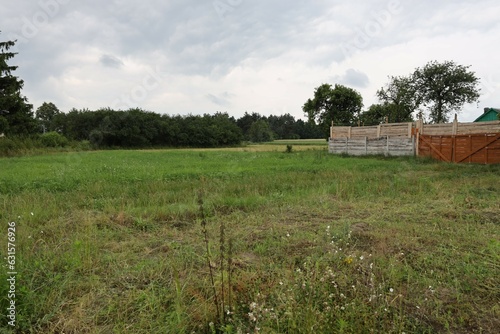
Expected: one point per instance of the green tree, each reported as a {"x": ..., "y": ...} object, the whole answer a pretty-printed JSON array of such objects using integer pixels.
[
  {"x": 47, "y": 114},
  {"x": 15, "y": 108},
  {"x": 340, "y": 104},
  {"x": 246, "y": 121},
  {"x": 260, "y": 131},
  {"x": 445, "y": 87},
  {"x": 375, "y": 115},
  {"x": 283, "y": 126},
  {"x": 400, "y": 99}
]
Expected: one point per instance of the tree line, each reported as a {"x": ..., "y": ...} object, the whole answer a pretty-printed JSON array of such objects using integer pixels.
[{"x": 140, "y": 128}]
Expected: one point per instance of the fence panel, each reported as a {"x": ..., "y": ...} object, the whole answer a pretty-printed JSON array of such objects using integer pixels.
[
  {"x": 372, "y": 146},
  {"x": 474, "y": 148}
]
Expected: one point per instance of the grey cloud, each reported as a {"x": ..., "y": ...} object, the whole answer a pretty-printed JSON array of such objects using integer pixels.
[
  {"x": 222, "y": 100},
  {"x": 353, "y": 78},
  {"x": 111, "y": 61}
]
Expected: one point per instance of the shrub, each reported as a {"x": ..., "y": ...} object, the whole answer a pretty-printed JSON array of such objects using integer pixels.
[
  {"x": 7, "y": 147},
  {"x": 53, "y": 139}
]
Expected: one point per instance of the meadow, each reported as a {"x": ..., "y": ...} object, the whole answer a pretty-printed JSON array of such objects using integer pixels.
[{"x": 250, "y": 240}]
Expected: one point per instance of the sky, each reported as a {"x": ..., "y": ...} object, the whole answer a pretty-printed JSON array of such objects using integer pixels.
[{"x": 184, "y": 57}]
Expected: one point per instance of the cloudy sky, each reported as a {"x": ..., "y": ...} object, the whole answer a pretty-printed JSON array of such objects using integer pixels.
[{"x": 203, "y": 56}]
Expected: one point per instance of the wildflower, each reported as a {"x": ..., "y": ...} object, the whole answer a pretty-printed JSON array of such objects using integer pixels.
[
  {"x": 32, "y": 213},
  {"x": 348, "y": 260},
  {"x": 253, "y": 305},
  {"x": 281, "y": 283},
  {"x": 361, "y": 257},
  {"x": 391, "y": 290},
  {"x": 287, "y": 234},
  {"x": 251, "y": 316}
]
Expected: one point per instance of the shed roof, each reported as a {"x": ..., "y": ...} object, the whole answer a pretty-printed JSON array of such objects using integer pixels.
[{"x": 490, "y": 114}]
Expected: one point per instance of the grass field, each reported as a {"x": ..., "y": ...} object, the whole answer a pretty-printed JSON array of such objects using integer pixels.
[{"x": 301, "y": 242}]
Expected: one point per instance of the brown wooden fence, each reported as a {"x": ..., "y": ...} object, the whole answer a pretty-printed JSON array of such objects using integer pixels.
[
  {"x": 453, "y": 142},
  {"x": 473, "y": 148}
]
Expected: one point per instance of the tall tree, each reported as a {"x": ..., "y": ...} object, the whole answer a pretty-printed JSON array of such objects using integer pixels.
[
  {"x": 445, "y": 87},
  {"x": 46, "y": 114},
  {"x": 340, "y": 104},
  {"x": 400, "y": 99},
  {"x": 14, "y": 107}
]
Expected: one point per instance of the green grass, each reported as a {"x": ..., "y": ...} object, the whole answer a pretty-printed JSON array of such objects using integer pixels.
[{"x": 111, "y": 242}]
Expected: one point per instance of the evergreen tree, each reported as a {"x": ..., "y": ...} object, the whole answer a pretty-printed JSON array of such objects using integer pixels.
[{"x": 15, "y": 112}]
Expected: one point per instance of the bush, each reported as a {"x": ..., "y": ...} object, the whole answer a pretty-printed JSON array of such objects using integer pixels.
[
  {"x": 83, "y": 145},
  {"x": 53, "y": 139},
  {"x": 7, "y": 147}
]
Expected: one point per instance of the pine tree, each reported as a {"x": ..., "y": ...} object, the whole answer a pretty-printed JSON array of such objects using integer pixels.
[{"x": 16, "y": 114}]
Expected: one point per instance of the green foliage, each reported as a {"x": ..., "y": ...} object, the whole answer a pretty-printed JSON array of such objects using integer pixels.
[
  {"x": 4, "y": 124},
  {"x": 139, "y": 128},
  {"x": 399, "y": 99},
  {"x": 441, "y": 87},
  {"x": 260, "y": 131},
  {"x": 340, "y": 105},
  {"x": 53, "y": 139},
  {"x": 282, "y": 127},
  {"x": 445, "y": 87},
  {"x": 375, "y": 115},
  {"x": 19, "y": 112},
  {"x": 7, "y": 147},
  {"x": 47, "y": 114}
]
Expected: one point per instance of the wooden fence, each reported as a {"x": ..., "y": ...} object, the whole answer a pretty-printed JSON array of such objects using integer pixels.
[
  {"x": 454, "y": 142},
  {"x": 473, "y": 148}
]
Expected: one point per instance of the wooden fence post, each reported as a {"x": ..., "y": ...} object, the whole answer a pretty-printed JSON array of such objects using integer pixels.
[
  {"x": 417, "y": 143},
  {"x": 454, "y": 127}
]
